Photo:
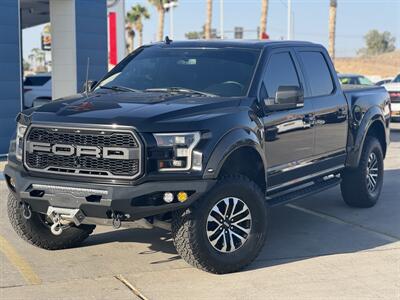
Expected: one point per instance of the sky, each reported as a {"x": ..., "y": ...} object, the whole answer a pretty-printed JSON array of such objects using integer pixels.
[{"x": 354, "y": 19}]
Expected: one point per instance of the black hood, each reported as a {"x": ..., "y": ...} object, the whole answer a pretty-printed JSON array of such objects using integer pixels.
[{"x": 148, "y": 112}]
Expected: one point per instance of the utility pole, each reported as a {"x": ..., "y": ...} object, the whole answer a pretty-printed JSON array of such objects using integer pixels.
[
  {"x": 289, "y": 20},
  {"x": 170, "y": 6},
  {"x": 221, "y": 18}
]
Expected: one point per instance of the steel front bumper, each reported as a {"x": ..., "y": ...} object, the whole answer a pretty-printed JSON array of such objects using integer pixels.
[{"x": 100, "y": 200}]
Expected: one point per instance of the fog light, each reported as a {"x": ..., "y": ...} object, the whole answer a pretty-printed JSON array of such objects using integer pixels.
[
  {"x": 168, "y": 197},
  {"x": 12, "y": 182},
  {"x": 182, "y": 196}
]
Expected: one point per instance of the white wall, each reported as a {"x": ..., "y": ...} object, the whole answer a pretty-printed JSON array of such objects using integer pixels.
[{"x": 63, "y": 34}]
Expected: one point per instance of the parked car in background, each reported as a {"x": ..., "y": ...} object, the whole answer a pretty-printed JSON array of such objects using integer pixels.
[
  {"x": 354, "y": 79},
  {"x": 384, "y": 81},
  {"x": 37, "y": 87},
  {"x": 394, "y": 91}
]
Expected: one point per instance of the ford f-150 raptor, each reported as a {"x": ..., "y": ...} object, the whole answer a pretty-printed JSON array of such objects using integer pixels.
[{"x": 201, "y": 136}]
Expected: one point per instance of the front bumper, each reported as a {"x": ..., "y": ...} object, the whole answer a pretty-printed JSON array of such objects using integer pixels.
[{"x": 101, "y": 200}]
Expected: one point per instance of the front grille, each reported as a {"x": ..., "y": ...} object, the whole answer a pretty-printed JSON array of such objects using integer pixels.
[{"x": 83, "y": 165}]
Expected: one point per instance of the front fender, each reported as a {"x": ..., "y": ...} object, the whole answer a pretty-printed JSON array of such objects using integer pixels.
[
  {"x": 233, "y": 140},
  {"x": 359, "y": 132}
]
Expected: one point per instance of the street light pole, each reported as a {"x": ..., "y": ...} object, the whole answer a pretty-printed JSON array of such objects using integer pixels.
[
  {"x": 171, "y": 22},
  {"x": 171, "y": 6},
  {"x": 221, "y": 18},
  {"x": 289, "y": 20}
]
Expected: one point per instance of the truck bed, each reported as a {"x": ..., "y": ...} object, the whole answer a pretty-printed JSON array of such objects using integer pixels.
[{"x": 353, "y": 93}]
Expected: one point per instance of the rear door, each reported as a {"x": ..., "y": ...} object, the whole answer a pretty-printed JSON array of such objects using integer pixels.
[{"x": 330, "y": 106}]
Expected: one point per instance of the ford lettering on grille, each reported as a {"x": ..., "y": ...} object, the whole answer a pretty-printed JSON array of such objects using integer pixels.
[{"x": 84, "y": 152}]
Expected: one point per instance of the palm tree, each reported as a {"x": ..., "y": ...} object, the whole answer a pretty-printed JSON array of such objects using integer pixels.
[
  {"x": 263, "y": 20},
  {"x": 130, "y": 35},
  {"x": 207, "y": 28},
  {"x": 332, "y": 28},
  {"x": 135, "y": 17},
  {"x": 159, "y": 4}
]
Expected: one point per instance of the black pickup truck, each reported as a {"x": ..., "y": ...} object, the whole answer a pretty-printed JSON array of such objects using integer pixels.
[{"x": 202, "y": 137}]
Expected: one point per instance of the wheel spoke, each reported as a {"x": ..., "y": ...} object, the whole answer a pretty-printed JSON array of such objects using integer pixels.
[
  {"x": 215, "y": 241},
  {"x": 242, "y": 239}
]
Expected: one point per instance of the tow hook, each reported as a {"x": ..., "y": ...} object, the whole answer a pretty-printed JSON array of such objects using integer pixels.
[
  {"x": 57, "y": 228},
  {"x": 62, "y": 218},
  {"x": 117, "y": 219},
  {"x": 26, "y": 211}
]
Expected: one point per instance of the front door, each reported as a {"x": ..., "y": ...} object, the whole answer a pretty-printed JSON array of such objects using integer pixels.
[{"x": 289, "y": 134}]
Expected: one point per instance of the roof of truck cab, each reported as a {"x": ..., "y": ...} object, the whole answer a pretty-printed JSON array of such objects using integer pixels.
[{"x": 255, "y": 44}]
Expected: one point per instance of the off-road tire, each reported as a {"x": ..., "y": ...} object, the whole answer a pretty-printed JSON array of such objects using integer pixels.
[
  {"x": 36, "y": 232},
  {"x": 354, "y": 185},
  {"x": 189, "y": 227}
]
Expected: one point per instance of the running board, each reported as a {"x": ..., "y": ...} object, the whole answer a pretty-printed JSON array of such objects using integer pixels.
[{"x": 283, "y": 198}]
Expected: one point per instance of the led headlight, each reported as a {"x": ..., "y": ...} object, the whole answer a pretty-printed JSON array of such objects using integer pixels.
[
  {"x": 182, "y": 145},
  {"x": 19, "y": 143}
]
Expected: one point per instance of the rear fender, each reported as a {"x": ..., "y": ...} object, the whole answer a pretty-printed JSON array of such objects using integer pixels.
[{"x": 359, "y": 133}]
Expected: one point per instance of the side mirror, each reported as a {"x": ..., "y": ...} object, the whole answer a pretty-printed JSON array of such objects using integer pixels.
[
  {"x": 287, "y": 97},
  {"x": 88, "y": 86}
]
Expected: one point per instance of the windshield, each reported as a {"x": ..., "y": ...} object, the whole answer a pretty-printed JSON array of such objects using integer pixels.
[
  {"x": 223, "y": 71},
  {"x": 397, "y": 78}
]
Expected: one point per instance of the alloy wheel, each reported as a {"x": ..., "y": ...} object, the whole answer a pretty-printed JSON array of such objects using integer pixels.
[
  {"x": 372, "y": 172},
  {"x": 228, "y": 224}
]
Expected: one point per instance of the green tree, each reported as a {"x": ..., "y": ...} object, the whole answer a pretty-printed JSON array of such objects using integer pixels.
[
  {"x": 135, "y": 18},
  {"x": 194, "y": 35},
  {"x": 378, "y": 43},
  {"x": 159, "y": 4},
  {"x": 26, "y": 65}
]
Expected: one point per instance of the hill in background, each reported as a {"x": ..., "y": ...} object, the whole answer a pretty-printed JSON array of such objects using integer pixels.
[{"x": 384, "y": 65}]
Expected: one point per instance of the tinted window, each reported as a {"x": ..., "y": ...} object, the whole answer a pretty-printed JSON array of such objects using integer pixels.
[
  {"x": 220, "y": 71},
  {"x": 36, "y": 80},
  {"x": 280, "y": 72},
  {"x": 318, "y": 73}
]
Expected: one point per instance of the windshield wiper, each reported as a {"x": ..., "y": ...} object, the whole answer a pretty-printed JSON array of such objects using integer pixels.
[
  {"x": 119, "y": 88},
  {"x": 180, "y": 90}
]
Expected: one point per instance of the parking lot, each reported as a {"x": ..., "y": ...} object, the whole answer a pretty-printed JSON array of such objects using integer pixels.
[{"x": 317, "y": 248}]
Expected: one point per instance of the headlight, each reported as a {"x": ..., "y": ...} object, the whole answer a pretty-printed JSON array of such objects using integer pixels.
[
  {"x": 19, "y": 143},
  {"x": 182, "y": 145}
]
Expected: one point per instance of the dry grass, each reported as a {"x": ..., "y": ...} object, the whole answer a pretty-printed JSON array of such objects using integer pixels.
[{"x": 384, "y": 65}]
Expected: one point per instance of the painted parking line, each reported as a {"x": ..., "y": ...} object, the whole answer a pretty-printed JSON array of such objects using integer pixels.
[
  {"x": 19, "y": 262},
  {"x": 337, "y": 220}
]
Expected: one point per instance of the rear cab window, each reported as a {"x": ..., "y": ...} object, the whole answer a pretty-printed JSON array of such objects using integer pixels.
[
  {"x": 36, "y": 80},
  {"x": 318, "y": 73}
]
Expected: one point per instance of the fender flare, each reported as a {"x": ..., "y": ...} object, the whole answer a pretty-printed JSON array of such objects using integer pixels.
[
  {"x": 373, "y": 115},
  {"x": 230, "y": 142}
]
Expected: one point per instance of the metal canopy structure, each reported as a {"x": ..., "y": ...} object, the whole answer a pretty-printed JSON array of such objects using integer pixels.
[{"x": 34, "y": 12}]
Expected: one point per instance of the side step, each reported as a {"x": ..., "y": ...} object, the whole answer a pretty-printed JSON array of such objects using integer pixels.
[{"x": 286, "y": 197}]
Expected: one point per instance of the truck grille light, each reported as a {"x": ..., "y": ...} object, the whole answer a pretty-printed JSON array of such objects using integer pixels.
[
  {"x": 182, "y": 196},
  {"x": 168, "y": 197}
]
